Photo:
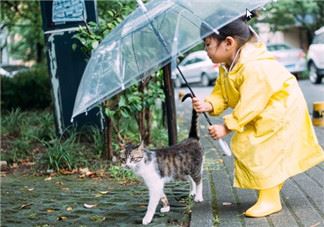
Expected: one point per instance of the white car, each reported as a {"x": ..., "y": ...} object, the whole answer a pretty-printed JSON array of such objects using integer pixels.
[
  {"x": 315, "y": 57},
  {"x": 292, "y": 58},
  {"x": 197, "y": 68}
]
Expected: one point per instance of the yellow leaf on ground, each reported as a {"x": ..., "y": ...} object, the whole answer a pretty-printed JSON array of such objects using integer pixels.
[
  {"x": 61, "y": 218},
  {"x": 48, "y": 179},
  {"x": 69, "y": 209},
  {"x": 25, "y": 206}
]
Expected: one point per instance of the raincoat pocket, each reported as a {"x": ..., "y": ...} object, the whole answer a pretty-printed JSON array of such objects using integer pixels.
[{"x": 271, "y": 120}]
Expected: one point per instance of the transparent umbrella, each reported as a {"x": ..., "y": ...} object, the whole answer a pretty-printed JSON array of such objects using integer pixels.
[{"x": 148, "y": 39}]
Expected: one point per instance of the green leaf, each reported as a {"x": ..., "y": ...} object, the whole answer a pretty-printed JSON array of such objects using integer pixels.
[
  {"x": 122, "y": 102},
  {"x": 124, "y": 114},
  {"x": 109, "y": 113},
  {"x": 74, "y": 46}
]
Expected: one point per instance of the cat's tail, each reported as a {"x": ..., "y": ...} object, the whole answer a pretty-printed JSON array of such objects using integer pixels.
[{"x": 194, "y": 131}]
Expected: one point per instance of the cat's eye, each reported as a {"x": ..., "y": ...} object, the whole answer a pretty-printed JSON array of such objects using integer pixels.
[{"x": 136, "y": 159}]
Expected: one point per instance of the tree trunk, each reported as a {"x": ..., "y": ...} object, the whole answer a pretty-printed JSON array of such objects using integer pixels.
[
  {"x": 170, "y": 105},
  {"x": 140, "y": 115},
  {"x": 147, "y": 116},
  {"x": 39, "y": 53},
  {"x": 108, "y": 153}
]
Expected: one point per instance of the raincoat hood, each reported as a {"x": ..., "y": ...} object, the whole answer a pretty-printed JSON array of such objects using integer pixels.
[{"x": 250, "y": 52}]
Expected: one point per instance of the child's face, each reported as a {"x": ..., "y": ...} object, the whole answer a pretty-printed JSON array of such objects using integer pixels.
[{"x": 220, "y": 51}]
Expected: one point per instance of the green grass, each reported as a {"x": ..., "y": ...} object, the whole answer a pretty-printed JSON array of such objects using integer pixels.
[
  {"x": 31, "y": 136},
  {"x": 122, "y": 174}
]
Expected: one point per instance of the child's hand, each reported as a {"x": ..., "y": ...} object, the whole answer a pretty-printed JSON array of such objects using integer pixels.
[
  {"x": 201, "y": 106},
  {"x": 218, "y": 131}
]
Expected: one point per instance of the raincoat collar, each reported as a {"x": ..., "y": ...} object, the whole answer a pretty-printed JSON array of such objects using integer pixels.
[{"x": 251, "y": 51}]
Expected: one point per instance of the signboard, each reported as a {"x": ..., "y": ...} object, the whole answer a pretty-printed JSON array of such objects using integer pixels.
[
  {"x": 68, "y": 11},
  {"x": 61, "y": 20}
]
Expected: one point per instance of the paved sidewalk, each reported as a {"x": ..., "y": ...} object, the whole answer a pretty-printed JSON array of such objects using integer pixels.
[{"x": 302, "y": 195}]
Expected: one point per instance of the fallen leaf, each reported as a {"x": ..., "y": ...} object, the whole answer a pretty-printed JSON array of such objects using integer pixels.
[
  {"x": 69, "y": 209},
  {"x": 50, "y": 171},
  {"x": 84, "y": 170},
  {"x": 89, "y": 206},
  {"x": 97, "y": 218},
  {"x": 25, "y": 205},
  {"x": 226, "y": 203},
  {"x": 98, "y": 195},
  {"x": 59, "y": 183},
  {"x": 48, "y": 179},
  {"x": 30, "y": 189},
  {"x": 103, "y": 192},
  {"x": 61, "y": 218},
  {"x": 50, "y": 210}
]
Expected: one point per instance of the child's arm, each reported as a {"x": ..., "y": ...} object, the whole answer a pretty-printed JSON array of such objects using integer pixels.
[
  {"x": 255, "y": 92},
  {"x": 216, "y": 99}
]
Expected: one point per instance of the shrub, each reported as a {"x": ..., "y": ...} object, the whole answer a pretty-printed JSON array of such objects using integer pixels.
[
  {"x": 21, "y": 133},
  {"x": 26, "y": 90},
  {"x": 63, "y": 154}
]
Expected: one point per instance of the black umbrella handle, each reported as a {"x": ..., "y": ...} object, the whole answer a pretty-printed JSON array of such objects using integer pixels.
[{"x": 193, "y": 94}]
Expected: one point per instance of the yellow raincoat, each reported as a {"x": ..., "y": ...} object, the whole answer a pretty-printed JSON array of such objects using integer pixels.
[{"x": 274, "y": 138}]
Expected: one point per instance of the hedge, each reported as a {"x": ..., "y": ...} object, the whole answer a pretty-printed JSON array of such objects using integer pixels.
[{"x": 27, "y": 90}]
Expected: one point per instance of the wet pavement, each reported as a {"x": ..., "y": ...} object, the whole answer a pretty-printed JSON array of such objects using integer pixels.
[{"x": 72, "y": 201}]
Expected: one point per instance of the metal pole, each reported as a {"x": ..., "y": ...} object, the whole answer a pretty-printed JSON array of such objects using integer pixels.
[{"x": 170, "y": 104}]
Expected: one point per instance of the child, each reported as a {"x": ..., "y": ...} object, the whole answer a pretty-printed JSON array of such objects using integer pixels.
[{"x": 273, "y": 135}]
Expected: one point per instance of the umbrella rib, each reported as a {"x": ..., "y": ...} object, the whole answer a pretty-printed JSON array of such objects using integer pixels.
[{"x": 134, "y": 52}]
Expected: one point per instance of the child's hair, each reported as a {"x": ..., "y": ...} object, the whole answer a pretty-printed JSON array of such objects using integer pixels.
[{"x": 238, "y": 29}]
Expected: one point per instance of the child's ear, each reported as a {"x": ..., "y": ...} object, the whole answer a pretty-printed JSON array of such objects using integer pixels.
[{"x": 230, "y": 42}]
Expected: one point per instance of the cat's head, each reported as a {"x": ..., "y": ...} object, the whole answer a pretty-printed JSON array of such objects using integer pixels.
[{"x": 134, "y": 155}]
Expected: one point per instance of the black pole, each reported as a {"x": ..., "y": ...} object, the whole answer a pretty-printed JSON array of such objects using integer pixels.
[{"x": 170, "y": 105}]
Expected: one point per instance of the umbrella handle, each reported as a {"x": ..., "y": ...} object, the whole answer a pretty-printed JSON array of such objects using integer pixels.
[{"x": 226, "y": 149}]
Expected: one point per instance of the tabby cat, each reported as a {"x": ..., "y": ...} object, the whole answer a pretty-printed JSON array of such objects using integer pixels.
[{"x": 183, "y": 161}]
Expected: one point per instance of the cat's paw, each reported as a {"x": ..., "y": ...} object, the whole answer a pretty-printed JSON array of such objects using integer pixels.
[
  {"x": 165, "y": 209},
  {"x": 146, "y": 220},
  {"x": 198, "y": 199},
  {"x": 192, "y": 194}
]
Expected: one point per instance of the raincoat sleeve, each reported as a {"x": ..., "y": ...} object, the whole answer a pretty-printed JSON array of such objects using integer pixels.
[
  {"x": 216, "y": 99},
  {"x": 255, "y": 92}
]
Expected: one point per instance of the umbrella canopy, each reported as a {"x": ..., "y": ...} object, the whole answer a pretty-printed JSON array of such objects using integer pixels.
[{"x": 133, "y": 49}]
